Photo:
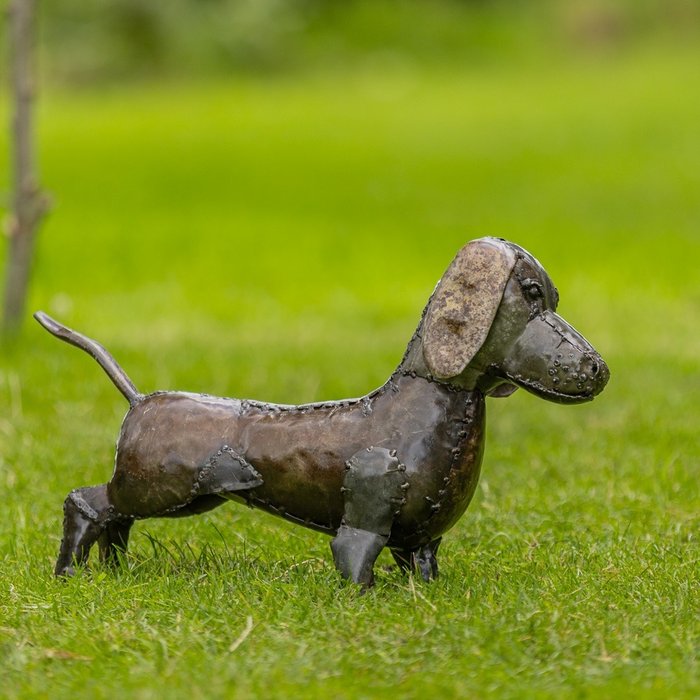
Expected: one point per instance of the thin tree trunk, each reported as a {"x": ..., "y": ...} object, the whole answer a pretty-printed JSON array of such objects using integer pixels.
[{"x": 29, "y": 204}]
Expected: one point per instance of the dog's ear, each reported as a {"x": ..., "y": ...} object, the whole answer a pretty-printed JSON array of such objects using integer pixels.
[{"x": 464, "y": 305}]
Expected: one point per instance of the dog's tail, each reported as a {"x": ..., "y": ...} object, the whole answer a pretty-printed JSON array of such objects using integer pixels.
[{"x": 95, "y": 350}]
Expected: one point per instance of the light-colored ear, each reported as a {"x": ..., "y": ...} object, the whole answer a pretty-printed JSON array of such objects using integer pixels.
[{"x": 464, "y": 305}]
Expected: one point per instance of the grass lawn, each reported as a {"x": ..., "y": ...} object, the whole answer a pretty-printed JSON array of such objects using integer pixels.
[{"x": 277, "y": 240}]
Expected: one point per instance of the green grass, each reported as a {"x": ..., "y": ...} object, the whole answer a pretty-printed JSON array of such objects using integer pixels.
[{"x": 277, "y": 240}]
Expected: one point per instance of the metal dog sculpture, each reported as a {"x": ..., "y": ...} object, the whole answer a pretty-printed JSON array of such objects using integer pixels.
[{"x": 395, "y": 468}]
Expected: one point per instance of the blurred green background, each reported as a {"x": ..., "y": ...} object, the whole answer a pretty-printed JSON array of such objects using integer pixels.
[
  {"x": 256, "y": 198},
  {"x": 128, "y": 39}
]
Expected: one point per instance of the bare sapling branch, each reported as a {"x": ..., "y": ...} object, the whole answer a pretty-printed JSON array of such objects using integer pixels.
[{"x": 29, "y": 204}]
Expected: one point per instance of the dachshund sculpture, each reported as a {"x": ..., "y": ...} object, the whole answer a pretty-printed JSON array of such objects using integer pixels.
[{"x": 395, "y": 468}]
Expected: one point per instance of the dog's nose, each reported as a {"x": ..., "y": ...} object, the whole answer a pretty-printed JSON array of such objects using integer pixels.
[{"x": 597, "y": 371}]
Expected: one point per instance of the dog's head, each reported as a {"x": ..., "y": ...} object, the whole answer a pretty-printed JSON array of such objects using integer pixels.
[{"x": 491, "y": 324}]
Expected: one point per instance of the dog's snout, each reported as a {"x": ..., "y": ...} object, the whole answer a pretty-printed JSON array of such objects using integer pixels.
[{"x": 556, "y": 362}]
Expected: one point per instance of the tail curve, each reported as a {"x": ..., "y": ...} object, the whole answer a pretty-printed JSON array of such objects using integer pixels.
[{"x": 96, "y": 351}]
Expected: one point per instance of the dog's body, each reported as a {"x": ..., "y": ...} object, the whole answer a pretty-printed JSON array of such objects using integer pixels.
[
  {"x": 395, "y": 468},
  {"x": 300, "y": 453}
]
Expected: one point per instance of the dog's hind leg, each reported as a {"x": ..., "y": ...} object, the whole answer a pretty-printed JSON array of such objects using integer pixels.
[
  {"x": 114, "y": 539},
  {"x": 373, "y": 489},
  {"x": 86, "y": 514},
  {"x": 423, "y": 559}
]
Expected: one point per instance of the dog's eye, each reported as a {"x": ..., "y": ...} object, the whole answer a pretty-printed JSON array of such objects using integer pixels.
[{"x": 533, "y": 289}]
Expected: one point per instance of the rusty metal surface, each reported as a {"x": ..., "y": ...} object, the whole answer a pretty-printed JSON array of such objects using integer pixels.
[{"x": 489, "y": 328}]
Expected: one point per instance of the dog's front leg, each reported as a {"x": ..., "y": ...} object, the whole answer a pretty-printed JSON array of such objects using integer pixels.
[
  {"x": 422, "y": 560},
  {"x": 373, "y": 491}
]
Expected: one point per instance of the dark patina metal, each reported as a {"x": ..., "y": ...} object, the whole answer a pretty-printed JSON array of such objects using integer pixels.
[{"x": 395, "y": 468}]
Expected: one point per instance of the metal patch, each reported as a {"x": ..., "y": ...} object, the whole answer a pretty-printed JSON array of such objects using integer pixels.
[
  {"x": 374, "y": 489},
  {"x": 227, "y": 471}
]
